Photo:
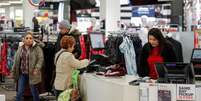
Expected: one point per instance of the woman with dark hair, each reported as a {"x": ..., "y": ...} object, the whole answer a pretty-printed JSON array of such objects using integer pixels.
[{"x": 157, "y": 50}]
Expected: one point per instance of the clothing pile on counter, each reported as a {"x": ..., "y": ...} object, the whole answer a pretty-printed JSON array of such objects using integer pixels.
[
  {"x": 97, "y": 64},
  {"x": 113, "y": 70}
]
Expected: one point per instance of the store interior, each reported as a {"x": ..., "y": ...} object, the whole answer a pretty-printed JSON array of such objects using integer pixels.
[{"x": 112, "y": 37}]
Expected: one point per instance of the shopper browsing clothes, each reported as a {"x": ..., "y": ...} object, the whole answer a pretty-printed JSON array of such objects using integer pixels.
[
  {"x": 156, "y": 50},
  {"x": 36, "y": 25},
  {"x": 65, "y": 63},
  {"x": 66, "y": 29},
  {"x": 27, "y": 65}
]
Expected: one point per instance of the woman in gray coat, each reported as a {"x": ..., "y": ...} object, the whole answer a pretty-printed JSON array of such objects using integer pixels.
[{"x": 27, "y": 66}]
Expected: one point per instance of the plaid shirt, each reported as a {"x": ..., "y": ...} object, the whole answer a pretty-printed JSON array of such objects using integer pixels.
[{"x": 24, "y": 60}]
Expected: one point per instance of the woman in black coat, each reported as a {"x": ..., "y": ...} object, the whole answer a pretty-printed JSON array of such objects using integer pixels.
[{"x": 156, "y": 50}]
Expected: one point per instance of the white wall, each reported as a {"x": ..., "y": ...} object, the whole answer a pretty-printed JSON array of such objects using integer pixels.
[
  {"x": 28, "y": 13},
  {"x": 11, "y": 8},
  {"x": 187, "y": 41},
  {"x": 110, "y": 12}
]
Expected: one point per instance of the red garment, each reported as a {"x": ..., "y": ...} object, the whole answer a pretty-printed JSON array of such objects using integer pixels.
[
  {"x": 154, "y": 57},
  {"x": 83, "y": 48},
  {"x": 4, "y": 68}
]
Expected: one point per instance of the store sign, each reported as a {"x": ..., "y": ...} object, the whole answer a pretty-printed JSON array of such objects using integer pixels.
[
  {"x": 49, "y": 6},
  {"x": 186, "y": 92},
  {"x": 143, "y": 11},
  {"x": 166, "y": 92},
  {"x": 36, "y": 3}
]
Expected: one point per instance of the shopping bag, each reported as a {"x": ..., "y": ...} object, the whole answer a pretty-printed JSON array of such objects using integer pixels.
[
  {"x": 75, "y": 95},
  {"x": 71, "y": 94},
  {"x": 65, "y": 95}
]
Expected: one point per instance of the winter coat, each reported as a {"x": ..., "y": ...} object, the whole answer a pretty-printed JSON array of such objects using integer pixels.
[
  {"x": 35, "y": 62},
  {"x": 65, "y": 64},
  {"x": 76, "y": 34},
  {"x": 167, "y": 53}
]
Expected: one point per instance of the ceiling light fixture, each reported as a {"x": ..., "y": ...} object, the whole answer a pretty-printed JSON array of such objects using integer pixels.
[
  {"x": 4, "y": 4},
  {"x": 15, "y": 2}
]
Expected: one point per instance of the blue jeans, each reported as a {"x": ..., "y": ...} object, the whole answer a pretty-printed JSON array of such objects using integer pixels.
[{"x": 23, "y": 80}]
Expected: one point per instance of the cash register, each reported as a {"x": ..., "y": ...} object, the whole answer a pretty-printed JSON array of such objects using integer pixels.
[
  {"x": 177, "y": 73},
  {"x": 196, "y": 61}
]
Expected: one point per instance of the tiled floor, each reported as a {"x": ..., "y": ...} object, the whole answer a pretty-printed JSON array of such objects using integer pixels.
[
  {"x": 9, "y": 90},
  {"x": 10, "y": 95}
]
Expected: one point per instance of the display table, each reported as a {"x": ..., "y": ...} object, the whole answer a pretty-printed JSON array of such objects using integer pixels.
[{"x": 100, "y": 88}]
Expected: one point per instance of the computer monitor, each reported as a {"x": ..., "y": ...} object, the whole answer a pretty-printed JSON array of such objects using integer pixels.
[
  {"x": 196, "y": 61},
  {"x": 175, "y": 72},
  {"x": 196, "y": 54},
  {"x": 97, "y": 40}
]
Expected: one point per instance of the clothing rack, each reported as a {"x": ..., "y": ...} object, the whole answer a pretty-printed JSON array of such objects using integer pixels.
[
  {"x": 118, "y": 43},
  {"x": 124, "y": 33},
  {"x": 11, "y": 35},
  {"x": 7, "y": 37}
]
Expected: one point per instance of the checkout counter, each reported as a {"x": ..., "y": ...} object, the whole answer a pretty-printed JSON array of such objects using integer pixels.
[{"x": 99, "y": 88}]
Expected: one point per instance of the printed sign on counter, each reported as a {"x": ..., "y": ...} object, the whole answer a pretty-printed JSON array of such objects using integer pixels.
[
  {"x": 198, "y": 92},
  {"x": 185, "y": 92},
  {"x": 148, "y": 92},
  {"x": 166, "y": 92}
]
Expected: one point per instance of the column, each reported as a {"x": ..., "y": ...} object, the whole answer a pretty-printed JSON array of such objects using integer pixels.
[
  {"x": 12, "y": 12},
  {"x": 66, "y": 13},
  {"x": 110, "y": 12},
  {"x": 28, "y": 13},
  {"x": 177, "y": 12}
]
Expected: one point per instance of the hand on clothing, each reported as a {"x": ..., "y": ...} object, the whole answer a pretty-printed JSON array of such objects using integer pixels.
[
  {"x": 35, "y": 71},
  {"x": 86, "y": 61}
]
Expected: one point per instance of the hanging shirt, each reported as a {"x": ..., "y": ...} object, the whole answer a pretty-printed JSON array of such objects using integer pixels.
[
  {"x": 127, "y": 48},
  {"x": 4, "y": 68},
  {"x": 154, "y": 57}
]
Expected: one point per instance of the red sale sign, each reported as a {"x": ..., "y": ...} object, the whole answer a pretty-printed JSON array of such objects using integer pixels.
[{"x": 185, "y": 92}]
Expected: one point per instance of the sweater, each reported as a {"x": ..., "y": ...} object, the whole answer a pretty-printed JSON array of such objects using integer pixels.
[
  {"x": 153, "y": 58},
  {"x": 65, "y": 64}
]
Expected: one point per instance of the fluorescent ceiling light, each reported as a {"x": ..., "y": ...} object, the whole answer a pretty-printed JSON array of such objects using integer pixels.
[
  {"x": 4, "y": 4},
  {"x": 15, "y": 2},
  {"x": 122, "y": 2}
]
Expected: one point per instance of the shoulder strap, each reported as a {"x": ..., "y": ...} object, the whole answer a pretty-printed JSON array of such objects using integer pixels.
[{"x": 58, "y": 56}]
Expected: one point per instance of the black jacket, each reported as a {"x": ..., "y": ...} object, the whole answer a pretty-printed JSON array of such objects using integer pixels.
[
  {"x": 167, "y": 53},
  {"x": 177, "y": 47},
  {"x": 76, "y": 35}
]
